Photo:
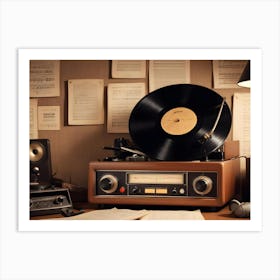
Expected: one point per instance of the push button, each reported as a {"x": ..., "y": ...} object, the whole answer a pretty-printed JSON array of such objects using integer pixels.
[{"x": 122, "y": 189}]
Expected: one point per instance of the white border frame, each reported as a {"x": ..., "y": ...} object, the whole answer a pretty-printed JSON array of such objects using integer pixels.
[{"x": 25, "y": 55}]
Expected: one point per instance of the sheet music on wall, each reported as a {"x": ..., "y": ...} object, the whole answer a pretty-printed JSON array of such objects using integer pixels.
[
  {"x": 122, "y": 97},
  {"x": 44, "y": 78},
  {"x": 49, "y": 117},
  {"x": 33, "y": 118},
  {"x": 241, "y": 122},
  {"x": 128, "y": 68},
  {"x": 85, "y": 101},
  {"x": 226, "y": 73},
  {"x": 168, "y": 72}
]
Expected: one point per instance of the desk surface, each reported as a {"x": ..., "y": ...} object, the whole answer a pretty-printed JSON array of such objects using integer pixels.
[{"x": 222, "y": 214}]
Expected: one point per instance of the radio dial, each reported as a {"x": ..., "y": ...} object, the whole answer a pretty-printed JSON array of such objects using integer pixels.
[
  {"x": 59, "y": 199},
  {"x": 174, "y": 191},
  {"x": 134, "y": 190},
  {"x": 108, "y": 183},
  {"x": 202, "y": 185}
]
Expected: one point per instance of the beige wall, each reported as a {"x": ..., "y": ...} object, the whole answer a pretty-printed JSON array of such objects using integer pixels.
[{"x": 73, "y": 147}]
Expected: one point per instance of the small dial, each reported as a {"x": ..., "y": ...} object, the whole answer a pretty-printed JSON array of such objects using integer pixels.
[
  {"x": 108, "y": 183},
  {"x": 59, "y": 199},
  {"x": 202, "y": 185}
]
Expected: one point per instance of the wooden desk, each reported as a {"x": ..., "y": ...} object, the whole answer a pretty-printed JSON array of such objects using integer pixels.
[{"x": 222, "y": 214}]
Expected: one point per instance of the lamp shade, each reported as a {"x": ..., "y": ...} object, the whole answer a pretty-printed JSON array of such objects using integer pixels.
[{"x": 244, "y": 80}]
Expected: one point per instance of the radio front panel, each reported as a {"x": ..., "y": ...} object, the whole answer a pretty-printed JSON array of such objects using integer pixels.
[
  {"x": 153, "y": 183},
  {"x": 198, "y": 184}
]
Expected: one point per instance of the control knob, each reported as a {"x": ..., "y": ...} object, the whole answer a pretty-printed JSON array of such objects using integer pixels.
[
  {"x": 108, "y": 183},
  {"x": 59, "y": 199},
  {"x": 202, "y": 185}
]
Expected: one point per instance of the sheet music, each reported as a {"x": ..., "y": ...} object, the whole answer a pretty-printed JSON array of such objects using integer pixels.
[
  {"x": 109, "y": 214},
  {"x": 173, "y": 215},
  {"x": 44, "y": 78},
  {"x": 241, "y": 122},
  {"x": 85, "y": 101},
  {"x": 168, "y": 72},
  {"x": 128, "y": 214},
  {"x": 33, "y": 118},
  {"x": 49, "y": 117},
  {"x": 122, "y": 97},
  {"x": 227, "y": 73},
  {"x": 128, "y": 68}
]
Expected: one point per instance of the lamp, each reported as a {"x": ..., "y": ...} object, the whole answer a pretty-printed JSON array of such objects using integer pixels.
[{"x": 244, "y": 80}]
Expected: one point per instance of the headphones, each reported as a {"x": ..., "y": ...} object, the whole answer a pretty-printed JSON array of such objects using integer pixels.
[{"x": 239, "y": 209}]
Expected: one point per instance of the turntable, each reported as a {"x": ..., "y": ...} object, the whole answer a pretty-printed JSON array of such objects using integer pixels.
[{"x": 177, "y": 128}]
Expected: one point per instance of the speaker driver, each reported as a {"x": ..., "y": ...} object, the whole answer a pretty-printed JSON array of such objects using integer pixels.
[
  {"x": 40, "y": 163},
  {"x": 36, "y": 151}
]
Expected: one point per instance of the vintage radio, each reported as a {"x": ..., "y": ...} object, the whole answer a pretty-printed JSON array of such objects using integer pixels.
[
  {"x": 210, "y": 184},
  {"x": 49, "y": 201}
]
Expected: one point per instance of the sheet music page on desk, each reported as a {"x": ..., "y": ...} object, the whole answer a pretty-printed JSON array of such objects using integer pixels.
[
  {"x": 128, "y": 214},
  {"x": 109, "y": 214},
  {"x": 173, "y": 215}
]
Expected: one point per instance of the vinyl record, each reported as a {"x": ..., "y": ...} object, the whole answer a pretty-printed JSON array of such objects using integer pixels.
[{"x": 180, "y": 122}]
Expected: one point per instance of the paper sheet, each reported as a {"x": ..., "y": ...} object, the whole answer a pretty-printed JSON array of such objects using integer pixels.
[
  {"x": 110, "y": 214},
  {"x": 85, "y": 101},
  {"x": 44, "y": 78},
  {"x": 122, "y": 97},
  {"x": 127, "y": 214},
  {"x": 33, "y": 119},
  {"x": 128, "y": 68},
  {"x": 48, "y": 117},
  {"x": 241, "y": 122},
  {"x": 168, "y": 72},
  {"x": 226, "y": 73},
  {"x": 173, "y": 215}
]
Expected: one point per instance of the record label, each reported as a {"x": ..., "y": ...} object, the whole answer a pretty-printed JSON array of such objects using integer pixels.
[{"x": 178, "y": 121}]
